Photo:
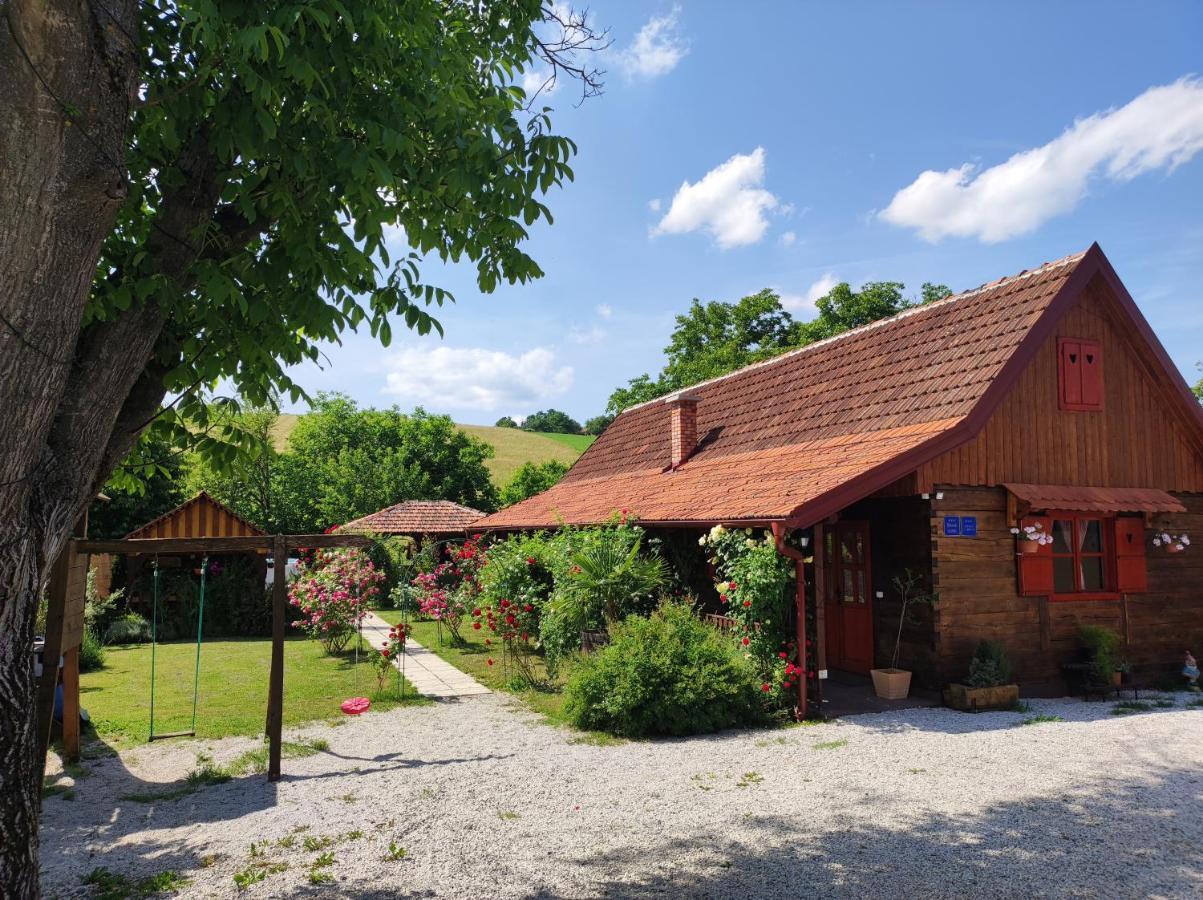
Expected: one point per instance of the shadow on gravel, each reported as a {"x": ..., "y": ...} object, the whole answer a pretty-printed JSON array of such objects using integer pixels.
[
  {"x": 1069, "y": 710},
  {"x": 398, "y": 763},
  {"x": 1120, "y": 839}
]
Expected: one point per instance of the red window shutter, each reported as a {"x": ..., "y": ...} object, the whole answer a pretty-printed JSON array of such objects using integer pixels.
[
  {"x": 1131, "y": 565},
  {"x": 1036, "y": 569},
  {"x": 1092, "y": 375},
  {"x": 1080, "y": 374},
  {"x": 1069, "y": 366}
]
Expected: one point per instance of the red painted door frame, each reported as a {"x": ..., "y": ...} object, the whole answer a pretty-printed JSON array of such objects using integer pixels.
[{"x": 848, "y": 596}]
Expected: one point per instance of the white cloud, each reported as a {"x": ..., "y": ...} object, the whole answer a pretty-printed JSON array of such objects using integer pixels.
[
  {"x": 604, "y": 310},
  {"x": 787, "y": 238},
  {"x": 654, "y": 204},
  {"x": 475, "y": 378},
  {"x": 1160, "y": 129},
  {"x": 657, "y": 48},
  {"x": 729, "y": 202},
  {"x": 593, "y": 335},
  {"x": 805, "y": 303},
  {"x": 538, "y": 81}
]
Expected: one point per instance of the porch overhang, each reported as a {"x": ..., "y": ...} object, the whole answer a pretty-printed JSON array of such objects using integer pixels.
[{"x": 1094, "y": 499}]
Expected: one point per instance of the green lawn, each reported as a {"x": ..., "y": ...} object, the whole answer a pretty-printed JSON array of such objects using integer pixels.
[
  {"x": 578, "y": 442},
  {"x": 233, "y": 688},
  {"x": 473, "y": 657}
]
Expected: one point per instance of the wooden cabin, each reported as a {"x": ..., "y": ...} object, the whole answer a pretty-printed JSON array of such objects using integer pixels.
[{"x": 918, "y": 442}]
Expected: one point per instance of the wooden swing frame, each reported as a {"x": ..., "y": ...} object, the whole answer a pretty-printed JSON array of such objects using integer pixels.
[{"x": 64, "y": 621}]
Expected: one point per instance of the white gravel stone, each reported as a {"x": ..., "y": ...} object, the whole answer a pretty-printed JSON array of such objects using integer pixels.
[{"x": 489, "y": 802}]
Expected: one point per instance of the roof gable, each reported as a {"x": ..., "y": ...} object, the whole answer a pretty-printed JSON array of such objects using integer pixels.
[
  {"x": 800, "y": 436},
  {"x": 202, "y": 516}
]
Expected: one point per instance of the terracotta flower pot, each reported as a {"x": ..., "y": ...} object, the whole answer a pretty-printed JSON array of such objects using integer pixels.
[
  {"x": 1029, "y": 546},
  {"x": 891, "y": 684}
]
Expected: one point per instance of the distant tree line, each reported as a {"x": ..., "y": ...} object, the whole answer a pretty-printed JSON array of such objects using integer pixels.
[
  {"x": 339, "y": 463},
  {"x": 715, "y": 338}
]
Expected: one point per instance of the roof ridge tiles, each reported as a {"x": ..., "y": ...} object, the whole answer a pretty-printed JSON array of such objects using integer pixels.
[{"x": 880, "y": 323}]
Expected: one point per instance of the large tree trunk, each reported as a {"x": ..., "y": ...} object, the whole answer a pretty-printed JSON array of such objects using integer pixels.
[{"x": 67, "y": 71}]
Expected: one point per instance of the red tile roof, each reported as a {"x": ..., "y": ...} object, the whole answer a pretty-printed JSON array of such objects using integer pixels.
[
  {"x": 777, "y": 439},
  {"x": 417, "y": 517},
  {"x": 1095, "y": 499}
]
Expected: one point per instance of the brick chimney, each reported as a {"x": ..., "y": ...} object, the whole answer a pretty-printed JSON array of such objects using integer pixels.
[{"x": 684, "y": 412}]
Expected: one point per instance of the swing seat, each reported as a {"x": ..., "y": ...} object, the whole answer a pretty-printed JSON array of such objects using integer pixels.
[{"x": 356, "y": 705}]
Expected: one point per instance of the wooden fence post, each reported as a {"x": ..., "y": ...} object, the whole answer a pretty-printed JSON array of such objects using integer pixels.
[{"x": 275, "y": 692}]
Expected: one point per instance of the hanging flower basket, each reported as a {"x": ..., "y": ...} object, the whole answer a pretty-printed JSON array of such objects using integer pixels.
[
  {"x": 1030, "y": 538},
  {"x": 1173, "y": 543}
]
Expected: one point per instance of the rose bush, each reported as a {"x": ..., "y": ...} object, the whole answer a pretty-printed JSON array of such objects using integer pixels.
[
  {"x": 756, "y": 588},
  {"x": 332, "y": 592},
  {"x": 390, "y": 651},
  {"x": 450, "y": 590}
]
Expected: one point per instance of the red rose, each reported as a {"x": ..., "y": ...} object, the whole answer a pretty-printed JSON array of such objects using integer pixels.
[
  {"x": 783, "y": 655},
  {"x": 476, "y": 612},
  {"x": 490, "y": 662},
  {"x": 476, "y": 625},
  {"x": 745, "y": 642},
  {"x": 723, "y": 597},
  {"x": 530, "y": 560},
  {"x": 528, "y": 608},
  {"x": 766, "y": 687}
]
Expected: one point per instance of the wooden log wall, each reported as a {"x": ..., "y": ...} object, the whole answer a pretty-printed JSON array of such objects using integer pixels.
[{"x": 979, "y": 598}]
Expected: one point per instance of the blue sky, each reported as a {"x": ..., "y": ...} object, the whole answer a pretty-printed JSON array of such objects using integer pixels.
[{"x": 742, "y": 146}]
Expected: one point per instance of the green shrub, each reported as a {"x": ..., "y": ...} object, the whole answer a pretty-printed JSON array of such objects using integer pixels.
[
  {"x": 1101, "y": 643},
  {"x": 989, "y": 666},
  {"x": 91, "y": 652},
  {"x": 669, "y": 674},
  {"x": 131, "y": 628}
]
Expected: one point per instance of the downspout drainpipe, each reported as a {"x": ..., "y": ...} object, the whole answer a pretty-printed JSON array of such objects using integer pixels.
[{"x": 780, "y": 532}]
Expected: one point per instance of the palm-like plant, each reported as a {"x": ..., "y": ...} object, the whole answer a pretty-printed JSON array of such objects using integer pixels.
[{"x": 606, "y": 577}]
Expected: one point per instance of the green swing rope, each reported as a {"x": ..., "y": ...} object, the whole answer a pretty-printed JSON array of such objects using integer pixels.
[{"x": 154, "y": 640}]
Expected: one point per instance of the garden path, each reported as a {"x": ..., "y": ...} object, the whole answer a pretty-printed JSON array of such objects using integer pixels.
[{"x": 430, "y": 675}]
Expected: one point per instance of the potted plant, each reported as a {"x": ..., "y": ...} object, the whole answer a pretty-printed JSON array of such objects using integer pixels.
[
  {"x": 1100, "y": 645},
  {"x": 1173, "y": 543},
  {"x": 989, "y": 684},
  {"x": 1030, "y": 538},
  {"x": 894, "y": 683}
]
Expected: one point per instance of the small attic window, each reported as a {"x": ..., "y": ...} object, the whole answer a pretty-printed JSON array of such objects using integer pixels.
[{"x": 1080, "y": 374}]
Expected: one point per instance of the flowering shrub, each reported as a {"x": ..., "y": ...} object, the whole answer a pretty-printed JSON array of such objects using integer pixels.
[
  {"x": 514, "y": 622},
  {"x": 332, "y": 592},
  {"x": 756, "y": 589},
  {"x": 389, "y": 652},
  {"x": 521, "y": 569},
  {"x": 449, "y": 591}
]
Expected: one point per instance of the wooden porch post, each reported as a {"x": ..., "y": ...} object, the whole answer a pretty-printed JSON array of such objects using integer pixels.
[
  {"x": 803, "y": 656},
  {"x": 52, "y": 649},
  {"x": 820, "y": 597},
  {"x": 275, "y": 690}
]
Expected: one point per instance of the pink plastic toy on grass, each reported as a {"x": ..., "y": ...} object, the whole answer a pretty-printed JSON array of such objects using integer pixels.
[{"x": 356, "y": 705}]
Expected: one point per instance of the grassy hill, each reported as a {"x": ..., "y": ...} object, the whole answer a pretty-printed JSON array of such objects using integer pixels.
[{"x": 513, "y": 446}]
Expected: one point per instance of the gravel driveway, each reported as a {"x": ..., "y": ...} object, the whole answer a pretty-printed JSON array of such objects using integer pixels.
[{"x": 488, "y": 802}]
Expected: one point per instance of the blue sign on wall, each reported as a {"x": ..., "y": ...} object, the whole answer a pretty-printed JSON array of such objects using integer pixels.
[{"x": 960, "y": 526}]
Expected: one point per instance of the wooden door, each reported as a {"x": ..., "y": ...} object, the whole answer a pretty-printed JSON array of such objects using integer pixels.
[{"x": 849, "y": 597}]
